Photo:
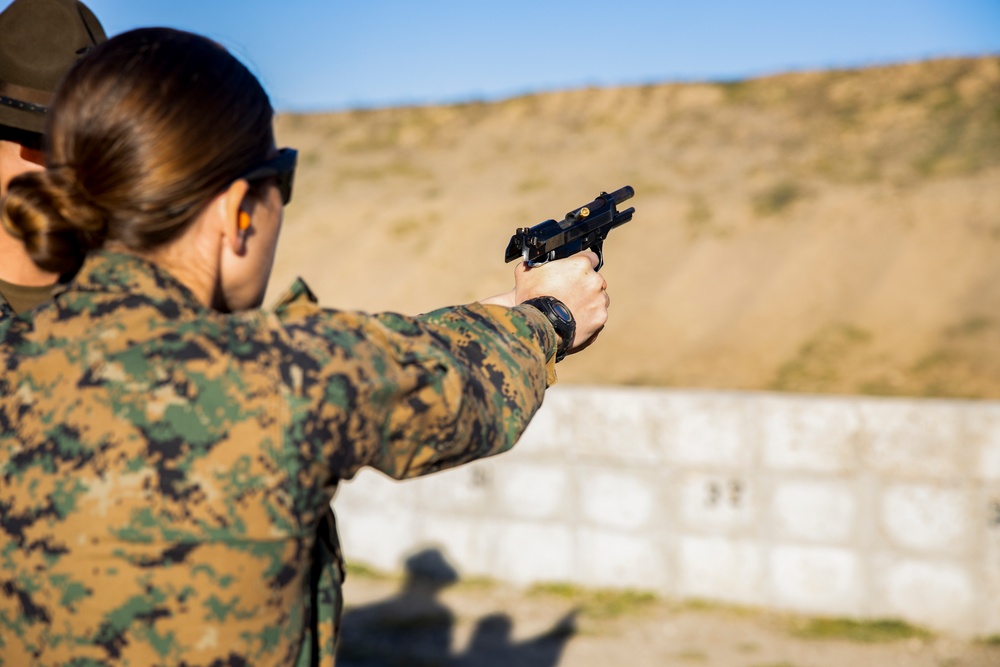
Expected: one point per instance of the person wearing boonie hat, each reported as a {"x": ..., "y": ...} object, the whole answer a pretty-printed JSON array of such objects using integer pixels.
[{"x": 39, "y": 42}]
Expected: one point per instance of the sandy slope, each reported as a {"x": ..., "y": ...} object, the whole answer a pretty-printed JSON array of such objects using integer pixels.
[{"x": 819, "y": 232}]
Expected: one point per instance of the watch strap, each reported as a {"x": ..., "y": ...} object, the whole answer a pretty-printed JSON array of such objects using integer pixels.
[{"x": 560, "y": 317}]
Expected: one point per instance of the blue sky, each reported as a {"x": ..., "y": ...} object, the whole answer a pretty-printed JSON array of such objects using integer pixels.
[{"x": 339, "y": 54}]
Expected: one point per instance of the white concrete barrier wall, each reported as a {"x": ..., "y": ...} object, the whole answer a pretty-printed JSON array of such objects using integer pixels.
[{"x": 846, "y": 506}]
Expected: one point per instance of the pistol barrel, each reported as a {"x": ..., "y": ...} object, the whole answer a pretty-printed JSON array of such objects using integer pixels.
[{"x": 618, "y": 196}]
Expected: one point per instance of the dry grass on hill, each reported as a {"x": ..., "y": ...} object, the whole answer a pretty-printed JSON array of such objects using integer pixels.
[{"x": 834, "y": 232}]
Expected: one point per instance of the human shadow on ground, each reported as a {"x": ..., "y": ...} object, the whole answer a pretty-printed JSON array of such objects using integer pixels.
[{"x": 414, "y": 628}]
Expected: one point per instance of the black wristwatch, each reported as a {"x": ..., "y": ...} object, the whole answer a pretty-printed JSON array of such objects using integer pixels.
[{"x": 560, "y": 317}]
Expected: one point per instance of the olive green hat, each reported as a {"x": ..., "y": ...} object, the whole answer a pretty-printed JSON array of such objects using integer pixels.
[{"x": 39, "y": 41}]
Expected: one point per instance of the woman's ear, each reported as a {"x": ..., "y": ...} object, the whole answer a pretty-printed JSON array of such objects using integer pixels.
[{"x": 236, "y": 214}]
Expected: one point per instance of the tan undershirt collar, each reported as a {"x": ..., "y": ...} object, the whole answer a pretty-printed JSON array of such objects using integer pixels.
[{"x": 24, "y": 297}]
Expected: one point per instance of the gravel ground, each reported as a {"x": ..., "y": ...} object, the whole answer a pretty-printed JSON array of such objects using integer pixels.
[{"x": 422, "y": 622}]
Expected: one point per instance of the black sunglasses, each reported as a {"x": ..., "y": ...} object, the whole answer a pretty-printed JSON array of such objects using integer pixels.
[{"x": 280, "y": 167}]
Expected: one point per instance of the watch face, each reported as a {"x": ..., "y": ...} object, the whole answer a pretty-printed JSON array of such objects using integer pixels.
[{"x": 562, "y": 311}]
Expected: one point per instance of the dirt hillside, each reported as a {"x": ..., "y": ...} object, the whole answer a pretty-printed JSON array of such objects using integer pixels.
[{"x": 833, "y": 232}]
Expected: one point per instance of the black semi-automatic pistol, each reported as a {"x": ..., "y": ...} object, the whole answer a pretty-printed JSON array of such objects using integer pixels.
[{"x": 582, "y": 228}]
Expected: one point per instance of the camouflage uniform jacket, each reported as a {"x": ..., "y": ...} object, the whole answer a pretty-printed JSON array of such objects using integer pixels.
[
  {"x": 5, "y": 309},
  {"x": 166, "y": 470}
]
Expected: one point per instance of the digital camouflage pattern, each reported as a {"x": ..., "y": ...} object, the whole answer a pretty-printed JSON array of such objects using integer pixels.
[
  {"x": 5, "y": 309},
  {"x": 167, "y": 470}
]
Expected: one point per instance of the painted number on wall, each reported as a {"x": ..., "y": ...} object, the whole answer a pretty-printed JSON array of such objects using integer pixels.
[{"x": 720, "y": 492}]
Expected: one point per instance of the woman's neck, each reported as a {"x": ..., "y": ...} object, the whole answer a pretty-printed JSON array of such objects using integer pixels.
[
  {"x": 193, "y": 259},
  {"x": 17, "y": 266}
]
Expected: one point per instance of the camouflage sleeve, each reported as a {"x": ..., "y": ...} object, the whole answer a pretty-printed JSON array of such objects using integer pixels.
[{"x": 414, "y": 395}]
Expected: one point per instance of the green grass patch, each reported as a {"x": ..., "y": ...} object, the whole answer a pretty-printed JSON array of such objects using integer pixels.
[
  {"x": 935, "y": 360},
  {"x": 410, "y": 225},
  {"x": 970, "y": 327},
  {"x": 599, "y": 603},
  {"x": 852, "y": 169},
  {"x": 363, "y": 571},
  {"x": 871, "y": 631},
  {"x": 562, "y": 590},
  {"x": 477, "y": 583},
  {"x": 777, "y": 198},
  {"x": 878, "y": 387},
  {"x": 954, "y": 147},
  {"x": 702, "y": 605},
  {"x": 609, "y": 604},
  {"x": 817, "y": 365},
  {"x": 738, "y": 91},
  {"x": 948, "y": 372}
]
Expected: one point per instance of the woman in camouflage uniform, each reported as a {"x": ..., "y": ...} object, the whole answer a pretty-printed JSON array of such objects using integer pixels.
[{"x": 168, "y": 450}]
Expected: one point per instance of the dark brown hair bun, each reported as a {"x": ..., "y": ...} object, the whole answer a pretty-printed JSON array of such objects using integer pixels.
[{"x": 54, "y": 218}]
